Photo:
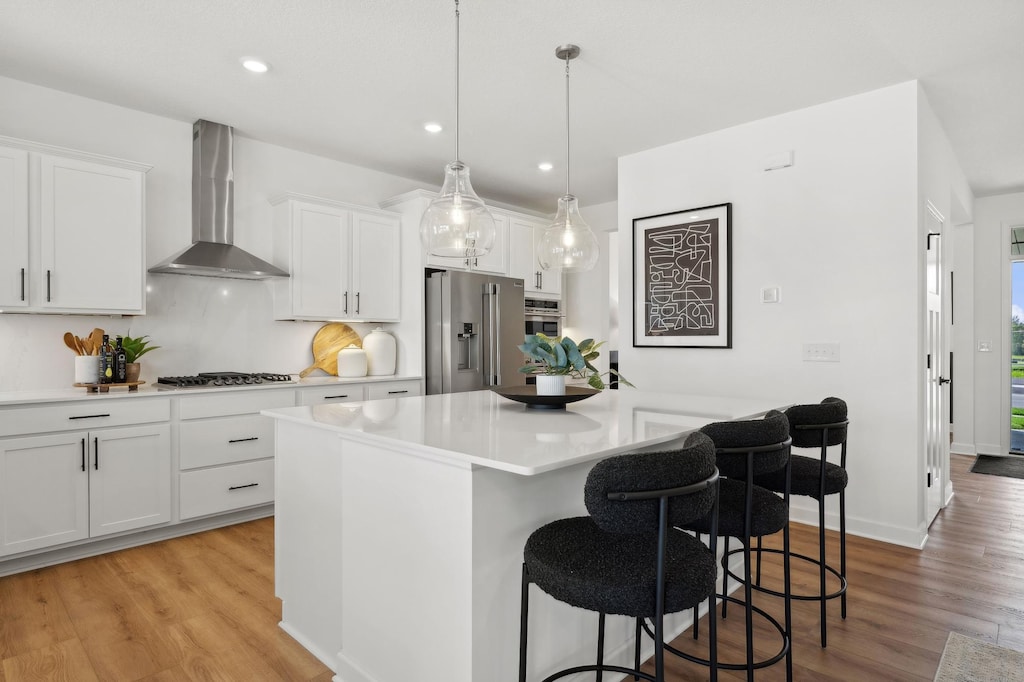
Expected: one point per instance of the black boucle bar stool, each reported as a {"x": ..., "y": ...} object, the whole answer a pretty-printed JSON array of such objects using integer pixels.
[
  {"x": 744, "y": 450},
  {"x": 818, "y": 426},
  {"x": 624, "y": 558}
]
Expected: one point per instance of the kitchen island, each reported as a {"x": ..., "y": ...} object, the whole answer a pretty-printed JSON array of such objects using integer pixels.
[{"x": 400, "y": 525}]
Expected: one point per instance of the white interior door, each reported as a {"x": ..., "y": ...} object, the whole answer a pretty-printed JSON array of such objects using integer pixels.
[{"x": 936, "y": 374}]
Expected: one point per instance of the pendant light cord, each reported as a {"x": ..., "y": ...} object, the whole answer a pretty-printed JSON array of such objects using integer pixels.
[
  {"x": 457, "y": 80},
  {"x": 567, "y": 59}
]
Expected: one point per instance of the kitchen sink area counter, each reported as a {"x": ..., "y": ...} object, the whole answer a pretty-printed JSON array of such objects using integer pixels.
[{"x": 405, "y": 520}]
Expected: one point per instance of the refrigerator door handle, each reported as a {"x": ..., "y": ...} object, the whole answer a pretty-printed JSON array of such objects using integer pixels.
[{"x": 492, "y": 321}]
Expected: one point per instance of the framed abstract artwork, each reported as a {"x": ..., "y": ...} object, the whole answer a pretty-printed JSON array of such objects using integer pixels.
[{"x": 682, "y": 293}]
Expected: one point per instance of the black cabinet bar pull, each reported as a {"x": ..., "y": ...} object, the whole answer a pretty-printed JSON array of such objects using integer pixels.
[
  {"x": 394, "y": 392},
  {"x": 96, "y": 453},
  {"x": 345, "y": 310},
  {"x": 23, "y": 284},
  {"x": 243, "y": 440},
  {"x": 357, "y": 303},
  {"x": 47, "y": 286},
  {"x": 239, "y": 487},
  {"x": 83, "y": 454},
  {"x": 333, "y": 397},
  {"x": 91, "y": 416}
]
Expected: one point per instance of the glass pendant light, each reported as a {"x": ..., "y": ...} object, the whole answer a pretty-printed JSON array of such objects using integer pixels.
[
  {"x": 568, "y": 244},
  {"x": 457, "y": 224}
]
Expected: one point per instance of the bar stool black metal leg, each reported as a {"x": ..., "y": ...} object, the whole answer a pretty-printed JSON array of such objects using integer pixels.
[
  {"x": 787, "y": 581},
  {"x": 821, "y": 571},
  {"x": 636, "y": 652},
  {"x": 842, "y": 546},
  {"x": 758, "y": 581},
  {"x": 600, "y": 646},
  {"x": 523, "y": 608},
  {"x": 725, "y": 575}
]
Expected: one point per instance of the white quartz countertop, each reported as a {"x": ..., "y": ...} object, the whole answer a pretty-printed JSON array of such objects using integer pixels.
[
  {"x": 52, "y": 395},
  {"x": 484, "y": 429}
]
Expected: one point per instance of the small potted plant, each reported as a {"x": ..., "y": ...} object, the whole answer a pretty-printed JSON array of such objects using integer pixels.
[
  {"x": 561, "y": 357},
  {"x": 134, "y": 348}
]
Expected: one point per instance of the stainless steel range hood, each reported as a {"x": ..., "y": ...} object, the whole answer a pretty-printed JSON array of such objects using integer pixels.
[{"x": 212, "y": 253}]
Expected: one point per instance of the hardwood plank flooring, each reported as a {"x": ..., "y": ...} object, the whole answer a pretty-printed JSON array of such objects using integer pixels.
[
  {"x": 202, "y": 607},
  {"x": 902, "y": 603}
]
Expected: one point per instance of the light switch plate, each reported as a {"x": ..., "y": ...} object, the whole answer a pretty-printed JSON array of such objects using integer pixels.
[
  {"x": 821, "y": 352},
  {"x": 771, "y": 295},
  {"x": 985, "y": 346}
]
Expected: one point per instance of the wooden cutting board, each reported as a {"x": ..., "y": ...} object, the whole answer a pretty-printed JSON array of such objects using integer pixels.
[{"x": 327, "y": 341}]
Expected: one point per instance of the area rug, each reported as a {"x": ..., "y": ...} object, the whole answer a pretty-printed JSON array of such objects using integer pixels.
[
  {"x": 1012, "y": 466},
  {"x": 965, "y": 659}
]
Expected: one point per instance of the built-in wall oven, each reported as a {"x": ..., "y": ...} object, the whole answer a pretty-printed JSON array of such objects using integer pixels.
[{"x": 544, "y": 317}]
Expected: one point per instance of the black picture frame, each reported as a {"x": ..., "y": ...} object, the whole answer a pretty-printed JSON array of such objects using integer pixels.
[{"x": 682, "y": 279}]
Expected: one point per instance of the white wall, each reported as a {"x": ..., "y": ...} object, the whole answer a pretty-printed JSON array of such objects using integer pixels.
[
  {"x": 202, "y": 324},
  {"x": 993, "y": 217},
  {"x": 838, "y": 232}
]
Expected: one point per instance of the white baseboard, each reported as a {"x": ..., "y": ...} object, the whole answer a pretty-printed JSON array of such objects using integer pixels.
[
  {"x": 990, "y": 449},
  {"x": 802, "y": 512},
  {"x": 957, "y": 448}
]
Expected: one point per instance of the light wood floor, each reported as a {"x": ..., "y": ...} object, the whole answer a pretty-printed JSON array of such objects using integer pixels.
[{"x": 203, "y": 607}]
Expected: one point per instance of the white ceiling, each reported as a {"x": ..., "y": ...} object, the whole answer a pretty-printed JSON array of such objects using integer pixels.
[{"x": 355, "y": 80}]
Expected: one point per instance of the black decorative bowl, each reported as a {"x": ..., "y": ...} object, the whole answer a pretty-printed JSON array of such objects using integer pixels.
[{"x": 528, "y": 395}]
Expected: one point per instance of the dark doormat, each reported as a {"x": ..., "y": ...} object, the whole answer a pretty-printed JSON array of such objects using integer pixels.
[{"x": 1012, "y": 466}]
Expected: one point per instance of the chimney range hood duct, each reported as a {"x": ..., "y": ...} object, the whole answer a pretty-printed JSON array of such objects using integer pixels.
[{"x": 212, "y": 253}]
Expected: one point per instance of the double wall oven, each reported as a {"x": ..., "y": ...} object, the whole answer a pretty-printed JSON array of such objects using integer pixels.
[{"x": 544, "y": 317}]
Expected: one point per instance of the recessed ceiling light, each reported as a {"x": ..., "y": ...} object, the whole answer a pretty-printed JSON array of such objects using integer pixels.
[
  {"x": 432, "y": 127},
  {"x": 255, "y": 65},
  {"x": 545, "y": 166}
]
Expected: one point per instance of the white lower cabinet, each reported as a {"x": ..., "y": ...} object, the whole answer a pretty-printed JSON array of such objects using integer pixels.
[
  {"x": 224, "y": 488},
  {"x": 339, "y": 393},
  {"x": 80, "y": 484},
  {"x": 226, "y": 451},
  {"x": 392, "y": 389}
]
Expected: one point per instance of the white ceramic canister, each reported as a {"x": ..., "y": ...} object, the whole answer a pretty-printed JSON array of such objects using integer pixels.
[
  {"x": 381, "y": 351},
  {"x": 352, "y": 362}
]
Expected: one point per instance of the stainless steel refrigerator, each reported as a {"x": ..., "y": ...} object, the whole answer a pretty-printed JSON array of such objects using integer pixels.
[{"x": 474, "y": 325}]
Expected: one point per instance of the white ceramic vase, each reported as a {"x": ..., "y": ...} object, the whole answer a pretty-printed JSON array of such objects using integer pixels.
[
  {"x": 550, "y": 384},
  {"x": 381, "y": 351},
  {"x": 352, "y": 362}
]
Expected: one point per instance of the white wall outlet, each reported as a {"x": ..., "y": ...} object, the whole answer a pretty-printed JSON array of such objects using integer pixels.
[
  {"x": 778, "y": 160},
  {"x": 984, "y": 346},
  {"x": 771, "y": 295},
  {"x": 821, "y": 352}
]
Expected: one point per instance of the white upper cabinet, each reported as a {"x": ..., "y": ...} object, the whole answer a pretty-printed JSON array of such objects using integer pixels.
[
  {"x": 91, "y": 236},
  {"x": 343, "y": 259},
  {"x": 523, "y": 236},
  {"x": 75, "y": 224},
  {"x": 13, "y": 227}
]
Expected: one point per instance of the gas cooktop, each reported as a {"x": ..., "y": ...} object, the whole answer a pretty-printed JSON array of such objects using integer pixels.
[{"x": 220, "y": 379}]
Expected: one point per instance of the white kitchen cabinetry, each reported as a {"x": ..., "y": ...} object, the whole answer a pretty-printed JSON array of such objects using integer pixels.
[
  {"x": 76, "y": 225},
  {"x": 343, "y": 260},
  {"x": 76, "y": 483},
  {"x": 226, "y": 451},
  {"x": 523, "y": 236},
  {"x": 393, "y": 389},
  {"x": 13, "y": 228},
  {"x": 338, "y": 393}
]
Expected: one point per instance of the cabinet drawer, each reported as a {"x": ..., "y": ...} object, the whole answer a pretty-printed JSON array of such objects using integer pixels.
[
  {"x": 209, "y": 442},
  {"x": 224, "y": 488},
  {"x": 392, "y": 389},
  {"x": 86, "y": 414},
  {"x": 343, "y": 393},
  {"x": 226, "y": 403}
]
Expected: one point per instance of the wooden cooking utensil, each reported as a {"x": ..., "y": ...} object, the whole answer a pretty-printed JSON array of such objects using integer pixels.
[
  {"x": 327, "y": 341},
  {"x": 85, "y": 344},
  {"x": 96, "y": 338},
  {"x": 69, "y": 341}
]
